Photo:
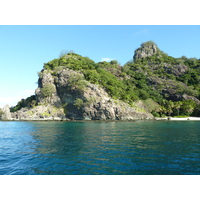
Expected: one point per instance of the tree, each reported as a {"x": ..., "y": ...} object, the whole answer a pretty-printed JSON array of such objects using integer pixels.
[
  {"x": 177, "y": 106},
  {"x": 78, "y": 103},
  {"x": 48, "y": 90},
  {"x": 143, "y": 94},
  {"x": 28, "y": 102},
  {"x": 188, "y": 107},
  {"x": 77, "y": 81},
  {"x": 92, "y": 76},
  {"x": 114, "y": 62},
  {"x": 169, "y": 106}
]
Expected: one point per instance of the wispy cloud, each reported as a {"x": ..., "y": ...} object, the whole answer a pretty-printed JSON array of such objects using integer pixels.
[
  {"x": 12, "y": 100},
  {"x": 27, "y": 93},
  {"x": 107, "y": 59},
  {"x": 141, "y": 32}
]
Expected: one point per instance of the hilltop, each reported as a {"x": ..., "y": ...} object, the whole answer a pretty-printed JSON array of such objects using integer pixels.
[{"x": 152, "y": 85}]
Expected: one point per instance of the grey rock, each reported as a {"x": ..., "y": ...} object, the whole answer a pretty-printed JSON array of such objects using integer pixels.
[
  {"x": 188, "y": 97},
  {"x": 96, "y": 104},
  {"x": 42, "y": 112},
  {"x": 177, "y": 70},
  {"x": 147, "y": 49},
  {"x": 6, "y": 113},
  {"x": 47, "y": 79}
]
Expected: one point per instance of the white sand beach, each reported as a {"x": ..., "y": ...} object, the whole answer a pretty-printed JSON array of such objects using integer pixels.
[
  {"x": 184, "y": 119},
  {"x": 179, "y": 119}
]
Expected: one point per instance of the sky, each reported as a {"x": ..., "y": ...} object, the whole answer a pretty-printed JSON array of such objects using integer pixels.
[{"x": 25, "y": 48}]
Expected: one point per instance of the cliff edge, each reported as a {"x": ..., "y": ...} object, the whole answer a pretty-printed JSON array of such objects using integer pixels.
[
  {"x": 69, "y": 96},
  {"x": 152, "y": 85}
]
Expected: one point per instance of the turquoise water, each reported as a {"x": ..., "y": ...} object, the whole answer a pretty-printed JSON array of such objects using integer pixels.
[{"x": 118, "y": 148}]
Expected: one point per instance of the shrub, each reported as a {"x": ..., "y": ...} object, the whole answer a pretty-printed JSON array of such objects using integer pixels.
[
  {"x": 28, "y": 102},
  {"x": 155, "y": 114},
  {"x": 77, "y": 81},
  {"x": 78, "y": 103},
  {"x": 48, "y": 90}
]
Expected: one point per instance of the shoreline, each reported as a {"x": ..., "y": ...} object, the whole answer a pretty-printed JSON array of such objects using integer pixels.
[
  {"x": 178, "y": 119},
  {"x": 74, "y": 120},
  {"x": 102, "y": 120}
]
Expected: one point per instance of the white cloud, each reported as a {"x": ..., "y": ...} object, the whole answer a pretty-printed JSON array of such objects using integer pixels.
[
  {"x": 13, "y": 100},
  {"x": 141, "y": 32},
  {"x": 28, "y": 92},
  {"x": 107, "y": 59}
]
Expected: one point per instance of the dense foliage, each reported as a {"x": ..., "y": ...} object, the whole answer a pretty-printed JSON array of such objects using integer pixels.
[
  {"x": 159, "y": 78},
  {"x": 48, "y": 90},
  {"x": 133, "y": 81},
  {"x": 28, "y": 102}
]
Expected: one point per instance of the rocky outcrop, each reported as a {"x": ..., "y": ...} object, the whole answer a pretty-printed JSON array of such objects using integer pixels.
[
  {"x": 66, "y": 88},
  {"x": 176, "y": 70},
  {"x": 6, "y": 113},
  {"x": 46, "y": 80},
  {"x": 147, "y": 49},
  {"x": 173, "y": 90},
  {"x": 188, "y": 97},
  {"x": 88, "y": 101},
  {"x": 75, "y": 98},
  {"x": 41, "y": 112},
  {"x": 97, "y": 105}
]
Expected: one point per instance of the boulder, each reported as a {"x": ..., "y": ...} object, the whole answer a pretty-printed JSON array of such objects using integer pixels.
[
  {"x": 6, "y": 113},
  {"x": 147, "y": 49}
]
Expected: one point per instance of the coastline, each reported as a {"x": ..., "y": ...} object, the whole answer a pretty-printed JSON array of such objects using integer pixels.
[
  {"x": 178, "y": 119},
  {"x": 71, "y": 120}
]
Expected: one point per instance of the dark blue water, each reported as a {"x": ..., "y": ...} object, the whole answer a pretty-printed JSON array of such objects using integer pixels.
[{"x": 141, "y": 147}]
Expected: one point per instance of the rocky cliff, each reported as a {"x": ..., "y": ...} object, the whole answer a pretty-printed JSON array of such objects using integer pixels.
[
  {"x": 147, "y": 49},
  {"x": 6, "y": 115},
  {"x": 72, "y": 97},
  {"x": 75, "y": 87}
]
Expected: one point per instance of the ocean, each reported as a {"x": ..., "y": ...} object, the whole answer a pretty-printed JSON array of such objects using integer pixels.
[{"x": 100, "y": 148}]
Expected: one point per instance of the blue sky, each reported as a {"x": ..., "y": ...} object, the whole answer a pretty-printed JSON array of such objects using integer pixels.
[{"x": 24, "y": 49}]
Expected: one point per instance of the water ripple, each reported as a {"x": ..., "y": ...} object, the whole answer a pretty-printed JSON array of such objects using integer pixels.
[{"x": 141, "y": 147}]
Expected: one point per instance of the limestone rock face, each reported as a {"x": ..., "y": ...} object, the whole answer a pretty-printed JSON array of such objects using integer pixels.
[
  {"x": 172, "y": 90},
  {"x": 177, "y": 70},
  {"x": 40, "y": 112},
  {"x": 6, "y": 113},
  {"x": 81, "y": 100},
  {"x": 147, "y": 49},
  {"x": 75, "y": 98},
  {"x": 188, "y": 97},
  {"x": 96, "y": 103},
  {"x": 64, "y": 93},
  {"x": 47, "y": 80}
]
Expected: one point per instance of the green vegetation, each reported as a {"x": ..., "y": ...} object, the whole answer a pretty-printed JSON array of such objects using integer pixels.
[
  {"x": 181, "y": 116},
  {"x": 78, "y": 103},
  {"x": 29, "y": 102},
  {"x": 48, "y": 90},
  {"x": 168, "y": 86},
  {"x": 133, "y": 81},
  {"x": 45, "y": 114},
  {"x": 71, "y": 61},
  {"x": 77, "y": 81}
]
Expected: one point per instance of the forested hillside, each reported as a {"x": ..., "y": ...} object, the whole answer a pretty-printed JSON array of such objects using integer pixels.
[{"x": 160, "y": 84}]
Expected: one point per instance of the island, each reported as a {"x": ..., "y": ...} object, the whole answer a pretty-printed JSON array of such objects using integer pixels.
[{"x": 152, "y": 85}]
